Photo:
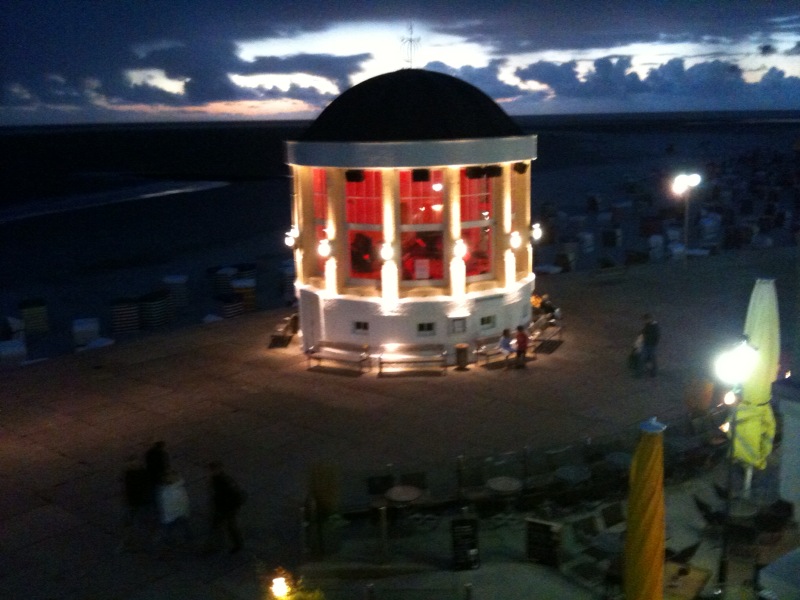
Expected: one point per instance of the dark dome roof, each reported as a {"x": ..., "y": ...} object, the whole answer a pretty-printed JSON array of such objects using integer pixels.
[{"x": 409, "y": 105}]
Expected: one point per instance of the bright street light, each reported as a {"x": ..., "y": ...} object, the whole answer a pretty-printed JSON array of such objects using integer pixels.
[
  {"x": 733, "y": 367},
  {"x": 681, "y": 186}
]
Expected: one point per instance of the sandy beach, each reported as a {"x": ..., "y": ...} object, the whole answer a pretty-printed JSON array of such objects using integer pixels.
[{"x": 78, "y": 262}]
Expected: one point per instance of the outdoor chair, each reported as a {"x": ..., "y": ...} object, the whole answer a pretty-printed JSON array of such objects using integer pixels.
[{"x": 613, "y": 516}]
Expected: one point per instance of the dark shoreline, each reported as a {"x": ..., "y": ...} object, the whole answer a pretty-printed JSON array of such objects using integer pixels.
[{"x": 54, "y": 161}]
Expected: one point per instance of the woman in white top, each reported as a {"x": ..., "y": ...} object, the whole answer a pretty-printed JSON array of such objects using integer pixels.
[{"x": 173, "y": 508}]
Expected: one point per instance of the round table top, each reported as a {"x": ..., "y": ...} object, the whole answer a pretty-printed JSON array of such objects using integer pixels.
[
  {"x": 403, "y": 493},
  {"x": 504, "y": 484}
]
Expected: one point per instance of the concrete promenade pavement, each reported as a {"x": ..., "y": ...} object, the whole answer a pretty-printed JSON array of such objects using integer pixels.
[{"x": 216, "y": 392}]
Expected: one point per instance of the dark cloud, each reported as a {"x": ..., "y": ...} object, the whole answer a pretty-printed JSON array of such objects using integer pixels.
[
  {"x": 709, "y": 85},
  {"x": 70, "y": 57},
  {"x": 484, "y": 78},
  {"x": 564, "y": 25},
  {"x": 561, "y": 78}
]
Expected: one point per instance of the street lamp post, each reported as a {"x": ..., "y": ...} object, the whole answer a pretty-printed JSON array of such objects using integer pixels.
[
  {"x": 681, "y": 186},
  {"x": 733, "y": 367}
]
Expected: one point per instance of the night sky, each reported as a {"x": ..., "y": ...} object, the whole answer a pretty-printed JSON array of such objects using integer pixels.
[{"x": 109, "y": 61}]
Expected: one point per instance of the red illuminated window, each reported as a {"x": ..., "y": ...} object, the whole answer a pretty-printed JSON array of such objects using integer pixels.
[
  {"x": 421, "y": 224},
  {"x": 364, "y": 216},
  {"x": 476, "y": 196},
  {"x": 479, "y": 250},
  {"x": 365, "y": 259},
  {"x": 421, "y": 196},
  {"x": 364, "y": 199},
  {"x": 477, "y": 220}
]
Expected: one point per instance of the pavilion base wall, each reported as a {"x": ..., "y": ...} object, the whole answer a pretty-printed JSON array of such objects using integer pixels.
[{"x": 454, "y": 321}]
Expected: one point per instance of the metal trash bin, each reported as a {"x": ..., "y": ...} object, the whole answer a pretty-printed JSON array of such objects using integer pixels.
[{"x": 462, "y": 356}]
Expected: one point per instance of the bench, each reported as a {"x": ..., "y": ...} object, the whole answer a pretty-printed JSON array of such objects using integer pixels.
[
  {"x": 284, "y": 332},
  {"x": 488, "y": 347},
  {"x": 341, "y": 352},
  {"x": 413, "y": 356},
  {"x": 545, "y": 328}
]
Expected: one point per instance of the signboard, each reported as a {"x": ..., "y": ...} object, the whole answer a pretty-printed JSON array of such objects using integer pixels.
[
  {"x": 465, "y": 543},
  {"x": 543, "y": 541},
  {"x": 422, "y": 268}
]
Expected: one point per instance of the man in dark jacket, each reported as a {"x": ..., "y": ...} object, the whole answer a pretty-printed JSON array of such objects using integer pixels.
[
  {"x": 651, "y": 333},
  {"x": 226, "y": 500},
  {"x": 156, "y": 461},
  {"x": 137, "y": 491}
]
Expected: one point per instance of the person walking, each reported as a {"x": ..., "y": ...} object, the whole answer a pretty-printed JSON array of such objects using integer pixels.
[
  {"x": 226, "y": 500},
  {"x": 173, "y": 509},
  {"x": 522, "y": 346},
  {"x": 156, "y": 461},
  {"x": 137, "y": 494},
  {"x": 650, "y": 336}
]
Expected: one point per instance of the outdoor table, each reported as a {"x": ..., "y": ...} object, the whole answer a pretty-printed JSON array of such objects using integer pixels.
[
  {"x": 403, "y": 494},
  {"x": 400, "y": 497},
  {"x": 504, "y": 485}
]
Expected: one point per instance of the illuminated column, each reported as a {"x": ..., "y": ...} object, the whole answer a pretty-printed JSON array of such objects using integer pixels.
[
  {"x": 306, "y": 262},
  {"x": 514, "y": 241},
  {"x": 324, "y": 250},
  {"x": 525, "y": 209},
  {"x": 511, "y": 268},
  {"x": 336, "y": 230},
  {"x": 454, "y": 245},
  {"x": 390, "y": 287},
  {"x": 298, "y": 262},
  {"x": 331, "y": 283},
  {"x": 390, "y": 274},
  {"x": 458, "y": 271},
  {"x": 506, "y": 205}
]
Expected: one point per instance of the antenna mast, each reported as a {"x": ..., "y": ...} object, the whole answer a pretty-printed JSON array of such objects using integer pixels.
[{"x": 410, "y": 42}]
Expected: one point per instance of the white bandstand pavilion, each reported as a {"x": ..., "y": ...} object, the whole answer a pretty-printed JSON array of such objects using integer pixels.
[{"x": 411, "y": 215}]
